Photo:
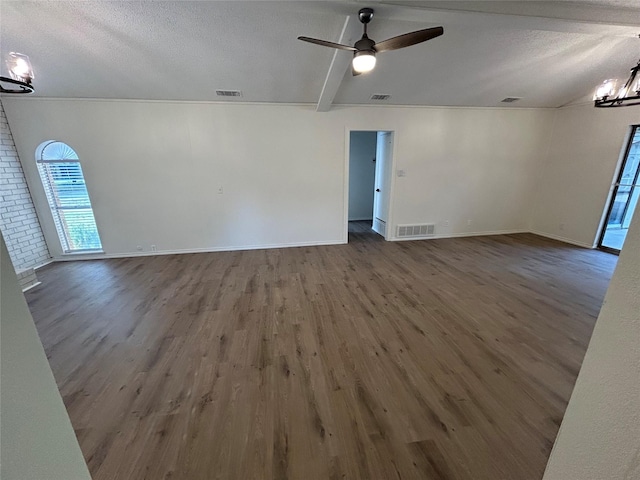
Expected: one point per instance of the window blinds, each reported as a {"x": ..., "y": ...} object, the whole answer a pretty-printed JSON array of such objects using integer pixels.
[{"x": 68, "y": 198}]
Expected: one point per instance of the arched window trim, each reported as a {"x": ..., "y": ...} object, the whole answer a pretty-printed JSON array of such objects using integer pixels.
[{"x": 65, "y": 188}]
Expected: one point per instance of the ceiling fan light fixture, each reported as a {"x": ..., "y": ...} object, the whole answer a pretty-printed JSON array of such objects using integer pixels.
[
  {"x": 364, "y": 61},
  {"x": 365, "y": 49}
]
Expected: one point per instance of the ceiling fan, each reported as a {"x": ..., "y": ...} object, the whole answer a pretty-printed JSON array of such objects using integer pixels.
[{"x": 365, "y": 49}]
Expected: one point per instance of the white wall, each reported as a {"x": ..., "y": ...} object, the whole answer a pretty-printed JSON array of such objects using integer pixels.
[
  {"x": 153, "y": 169},
  {"x": 362, "y": 174},
  {"x": 37, "y": 438},
  {"x": 469, "y": 164},
  {"x": 18, "y": 220},
  {"x": 576, "y": 179},
  {"x": 600, "y": 433}
]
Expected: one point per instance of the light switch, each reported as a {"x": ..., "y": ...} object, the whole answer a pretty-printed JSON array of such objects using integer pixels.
[{"x": 401, "y": 173}]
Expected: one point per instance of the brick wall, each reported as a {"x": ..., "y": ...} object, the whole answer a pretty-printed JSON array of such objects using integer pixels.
[{"x": 18, "y": 220}]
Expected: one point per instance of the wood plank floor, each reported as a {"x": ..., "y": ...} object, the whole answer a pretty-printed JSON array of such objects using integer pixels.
[{"x": 442, "y": 359}]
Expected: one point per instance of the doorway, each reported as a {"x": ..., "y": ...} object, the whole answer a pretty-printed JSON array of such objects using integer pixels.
[
  {"x": 369, "y": 186},
  {"x": 624, "y": 198}
]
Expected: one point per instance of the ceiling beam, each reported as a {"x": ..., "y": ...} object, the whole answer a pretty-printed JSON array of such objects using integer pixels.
[{"x": 340, "y": 63}]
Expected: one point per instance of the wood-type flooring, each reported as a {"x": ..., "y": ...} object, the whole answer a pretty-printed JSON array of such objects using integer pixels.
[{"x": 441, "y": 359}]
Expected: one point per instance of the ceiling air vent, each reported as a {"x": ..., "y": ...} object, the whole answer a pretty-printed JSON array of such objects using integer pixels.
[
  {"x": 380, "y": 96},
  {"x": 510, "y": 99},
  {"x": 228, "y": 93}
]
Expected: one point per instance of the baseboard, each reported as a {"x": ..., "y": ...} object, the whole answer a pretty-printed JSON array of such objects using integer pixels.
[
  {"x": 496, "y": 232},
  {"x": 69, "y": 258},
  {"x": 562, "y": 239},
  {"x": 457, "y": 235},
  {"x": 31, "y": 286},
  {"x": 32, "y": 275},
  {"x": 35, "y": 267},
  {"x": 100, "y": 256},
  {"x": 44, "y": 264}
]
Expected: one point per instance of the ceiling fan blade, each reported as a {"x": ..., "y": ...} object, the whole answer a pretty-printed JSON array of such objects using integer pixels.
[
  {"x": 324, "y": 43},
  {"x": 408, "y": 39}
]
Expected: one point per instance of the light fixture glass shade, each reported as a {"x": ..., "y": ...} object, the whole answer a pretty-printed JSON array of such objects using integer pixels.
[
  {"x": 623, "y": 92},
  {"x": 608, "y": 88},
  {"x": 635, "y": 86},
  {"x": 19, "y": 67},
  {"x": 364, "y": 62}
]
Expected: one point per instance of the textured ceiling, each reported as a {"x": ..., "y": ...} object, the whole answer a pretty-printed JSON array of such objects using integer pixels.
[{"x": 548, "y": 53}]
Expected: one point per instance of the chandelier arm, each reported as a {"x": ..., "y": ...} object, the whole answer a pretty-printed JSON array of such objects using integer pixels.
[
  {"x": 632, "y": 77},
  {"x": 617, "y": 102},
  {"x": 24, "y": 86}
]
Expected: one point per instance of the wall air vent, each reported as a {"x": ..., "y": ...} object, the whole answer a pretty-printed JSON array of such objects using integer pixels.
[
  {"x": 510, "y": 99},
  {"x": 228, "y": 93},
  {"x": 426, "y": 230},
  {"x": 380, "y": 96}
]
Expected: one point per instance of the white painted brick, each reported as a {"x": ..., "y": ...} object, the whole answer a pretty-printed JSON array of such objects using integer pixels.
[{"x": 18, "y": 219}]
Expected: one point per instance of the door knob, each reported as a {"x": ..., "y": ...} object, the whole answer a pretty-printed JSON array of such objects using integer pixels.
[{"x": 377, "y": 189}]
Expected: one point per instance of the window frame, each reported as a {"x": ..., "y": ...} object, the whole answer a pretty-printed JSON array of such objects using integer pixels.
[{"x": 52, "y": 193}]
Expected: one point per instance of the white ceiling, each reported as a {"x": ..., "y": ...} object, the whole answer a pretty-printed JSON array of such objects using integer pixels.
[{"x": 548, "y": 53}]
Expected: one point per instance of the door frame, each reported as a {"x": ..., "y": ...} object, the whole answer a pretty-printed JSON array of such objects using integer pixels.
[
  {"x": 389, "y": 235},
  {"x": 622, "y": 161}
]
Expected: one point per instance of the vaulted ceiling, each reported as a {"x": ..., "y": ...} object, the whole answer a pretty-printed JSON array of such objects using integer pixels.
[{"x": 548, "y": 53}]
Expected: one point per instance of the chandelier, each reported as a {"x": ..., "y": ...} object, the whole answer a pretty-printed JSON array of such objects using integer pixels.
[
  {"x": 614, "y": 93},
  {"x": 21, "y": 75}
]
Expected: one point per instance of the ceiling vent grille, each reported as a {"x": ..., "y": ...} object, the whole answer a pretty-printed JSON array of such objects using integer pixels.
[
  {"x": 380, "y": 96},
  {"x": 228, "y": 93},
  {"x": 510, "y": 99},
  {"x": 416, "y": 230}
]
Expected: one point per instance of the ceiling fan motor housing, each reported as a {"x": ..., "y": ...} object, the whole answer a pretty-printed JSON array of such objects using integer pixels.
[{"x": 365, "y": 44}]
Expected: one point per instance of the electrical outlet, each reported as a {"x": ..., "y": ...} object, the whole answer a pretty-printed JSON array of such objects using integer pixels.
[
  {"x": 139, "y": 248},
  {"x": 153, "y": 248},
  {"x": 446, "y": 223},
  {"x": 562, "y": 226},
  {"x": 468, "y": 223}
]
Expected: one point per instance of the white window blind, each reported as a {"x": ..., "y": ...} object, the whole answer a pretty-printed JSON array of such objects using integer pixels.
[{"x": 68, "y": 198}]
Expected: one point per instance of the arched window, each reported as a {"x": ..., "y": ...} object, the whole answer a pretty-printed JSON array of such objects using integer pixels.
[{"x": 63, "y": 182}]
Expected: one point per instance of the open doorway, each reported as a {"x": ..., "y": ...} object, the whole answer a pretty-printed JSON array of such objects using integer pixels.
[
  {"x": 624, "y": 198},
  {"x": 370, "y": 172}
]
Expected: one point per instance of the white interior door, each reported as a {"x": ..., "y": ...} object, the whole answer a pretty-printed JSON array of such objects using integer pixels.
[{"x": 384, "y": 165}]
